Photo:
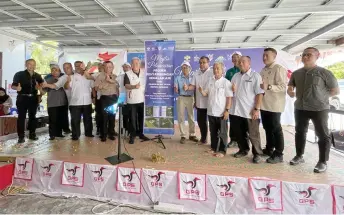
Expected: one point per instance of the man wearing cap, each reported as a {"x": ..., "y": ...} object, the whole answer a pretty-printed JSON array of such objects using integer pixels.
[
  {"x": 229, "y": 75},
  {"x": 185, "y": 100},
  {"x": 120, "y": 79},
  {"x": 57, "y": 103},
  {"x": 27, "y": 83},
  {"x": 134, "y": 82},
  {"x": 199, "y": 82}
]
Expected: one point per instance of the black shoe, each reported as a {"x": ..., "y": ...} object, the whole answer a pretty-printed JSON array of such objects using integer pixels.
[
  {"x": 60, "y": 136},
  {"x": 75, "y": 138},
  {"x": 21, "y": 140},
  {"x": 33, "y": 137},
  {"x": 144, "y": 138},
  {"x": 320, "y": 167},
  {"x": 182, "y": 140},
  {"x": 103, "y": 139},
  {"x": 275, "y": 159},
  {"x": 131, "y": 140},
  {"x": 256, "y": 159},
  {"x": 267, "y": 152},
  {"x": 193, "y": 138},
  {"x": 67, "y": 131},
  {"x": 52, "y": 138},
  {"x": 297, "y": 160},
  {"x": 240, "y": 154},
  {"x": 91, "y": 136},
  {"x": 232, "y": 143},
  {"x": 112, "y": 138}
]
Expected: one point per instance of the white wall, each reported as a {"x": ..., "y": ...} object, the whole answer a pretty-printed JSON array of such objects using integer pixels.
[{"x": 12, "y": 61}]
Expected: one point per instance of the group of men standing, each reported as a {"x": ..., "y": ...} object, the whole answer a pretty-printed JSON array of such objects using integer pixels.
[{"x": 247, "y": 97}]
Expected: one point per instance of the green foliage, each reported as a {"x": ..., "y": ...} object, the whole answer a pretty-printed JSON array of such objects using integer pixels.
[
  {"x": 337, "y": 69},
  {"x": 43, "y": 55}
]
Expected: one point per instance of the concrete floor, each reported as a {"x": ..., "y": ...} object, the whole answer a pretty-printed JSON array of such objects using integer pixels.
[{"x": 40, "y": 204}]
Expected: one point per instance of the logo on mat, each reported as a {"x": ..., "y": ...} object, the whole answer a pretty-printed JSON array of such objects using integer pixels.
[
  {"x": 99, "y": 174},
  {"x": 47, "y": 169},
  {"x": 129, "y": 178},
  {"x": 156, "y": 179},
  {"x": 73, "y": 171},
  {"x": 193, "y": 185},
  {"x": 226, "y": 189},
  {"x": 23, "y": 165},
  {"x": 306, "y": 194},
  {"x": 266, "y": 190}
]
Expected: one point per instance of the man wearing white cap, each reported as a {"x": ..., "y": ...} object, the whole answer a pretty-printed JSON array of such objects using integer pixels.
[{"x": 185, "y": 100}]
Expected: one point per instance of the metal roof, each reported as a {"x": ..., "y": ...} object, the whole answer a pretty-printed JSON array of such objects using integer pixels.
[{"x": 288, "y": 24}]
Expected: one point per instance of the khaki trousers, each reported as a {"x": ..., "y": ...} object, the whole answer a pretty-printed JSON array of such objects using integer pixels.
[{"x": 188, "y": 103}]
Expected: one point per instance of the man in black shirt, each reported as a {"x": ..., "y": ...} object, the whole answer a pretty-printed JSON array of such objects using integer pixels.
[{"x": 27, "y": 83}]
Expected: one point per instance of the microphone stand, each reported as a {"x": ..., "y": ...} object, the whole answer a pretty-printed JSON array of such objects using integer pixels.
[{"x": 120, "y": 157}]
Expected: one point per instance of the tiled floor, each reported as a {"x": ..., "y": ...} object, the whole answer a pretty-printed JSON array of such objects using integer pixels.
[{"x": 189, "y": 157}]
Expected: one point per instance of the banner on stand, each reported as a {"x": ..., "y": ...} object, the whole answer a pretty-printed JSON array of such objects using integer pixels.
[
  {"x": 267, "y": 194},
  {"x": 73, "y": 174},
  {"x": 157, "y": 182},
  {"x": 24, "y": 168},
  {"x": 159, "y": 94}
]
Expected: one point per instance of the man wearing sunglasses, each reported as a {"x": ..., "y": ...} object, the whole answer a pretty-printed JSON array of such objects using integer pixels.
[{"x": 314, "y": 85}]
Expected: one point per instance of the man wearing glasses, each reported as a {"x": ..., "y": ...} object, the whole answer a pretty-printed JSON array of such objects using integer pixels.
[{"x": 314, "y": 85}]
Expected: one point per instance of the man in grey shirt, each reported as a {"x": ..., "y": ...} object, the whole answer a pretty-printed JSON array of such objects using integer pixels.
[
  {"x": 57, "y": 103},
  {"x": 314, "y": 86}
]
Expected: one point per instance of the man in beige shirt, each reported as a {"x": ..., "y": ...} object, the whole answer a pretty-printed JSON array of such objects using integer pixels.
[
  {"x": 274, "y": 84},
  {"x": 108, "y": 87}
]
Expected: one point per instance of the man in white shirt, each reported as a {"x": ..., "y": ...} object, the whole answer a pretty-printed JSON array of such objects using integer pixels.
[
  {"x": 275, "y": 86},
  {"x": 200, "y": 81},
  {"x": 219, "y": 94},
  {"x": 134, "y": 82},
  {"x": 80, "y": 100},
  {"x": 245, "y": 109},
  {"x": 97, "y": 102}
]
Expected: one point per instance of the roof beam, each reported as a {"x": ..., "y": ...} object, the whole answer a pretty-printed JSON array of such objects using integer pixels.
[
  {"x": 224, "y": 25},
  {"x": 145, "y": 7},
  {"x": 333, "y": 25},
  {"x": 32, "y": 9},
  {"x": 299, "y": 32},
  {"x": 11, "y": 15},
  {"x": 277, "y": 4},
  {"x": 303, "y": 19},
  {"x": 187, "y": 10},
  {"x": 113, "y": 14},
  {"x": 337, "y": 9}
]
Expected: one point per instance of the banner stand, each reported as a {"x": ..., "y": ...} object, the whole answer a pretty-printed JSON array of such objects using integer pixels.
[
  {"x": 120, "y": 157},
  {"x": 159, "y": 139}
]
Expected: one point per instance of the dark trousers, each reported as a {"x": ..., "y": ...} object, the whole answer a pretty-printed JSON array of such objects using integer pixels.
[
  {"x": 218, "y": 133},
  {"x": 108, "y": 117},
  {"x": 231, "y": 130},
  {"x": 247, "y": 129},
  {"x": 98, "y": 110},
  {"x": 26, "y": 104},
  {"x": 64, "y": 118},
  {"x": 273, "y": 131},
  {"x": 125, "y": 117},
  {"x": 76, "y": 112},
  {"x": 136, "y": 119},
  {"x": 319, "y": 119},
  {"x": 202, "y": 123},
  {"x": 56, "y": 114}
]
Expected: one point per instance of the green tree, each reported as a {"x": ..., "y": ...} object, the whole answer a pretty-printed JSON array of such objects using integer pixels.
[
  {"x": 337, "y": 69},
  {"x": 43, "y": 55}
]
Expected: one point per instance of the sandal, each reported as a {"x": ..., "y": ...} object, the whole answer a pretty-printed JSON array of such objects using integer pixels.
[
  {"x": 210, "y": 151},
  {"x": 219, "y": 155}
]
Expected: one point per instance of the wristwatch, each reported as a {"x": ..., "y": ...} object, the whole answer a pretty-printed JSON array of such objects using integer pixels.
[
  {"x": 269, "y": 87},
  {"x": 227, "y": 110},
  {"x": 257, "y": 109}
]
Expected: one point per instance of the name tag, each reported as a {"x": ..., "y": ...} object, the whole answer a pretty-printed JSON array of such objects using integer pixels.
[{"x": 248, "y": 80}]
